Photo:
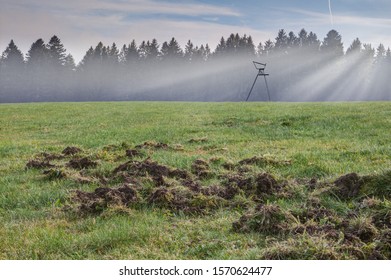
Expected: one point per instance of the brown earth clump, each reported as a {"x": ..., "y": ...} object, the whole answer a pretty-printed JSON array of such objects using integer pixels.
[
  {"x": 348, "y": 186},
  {"x": 53, "y": 174},
  {"x": 182, "y": 199},
  {"x": 39, "y": 164},
  {"x": 172, "y": 198},
  {"x": 263, "y": 161},
  {"x": 143, "y": 168},
  {"x": 201, "y": 169},
  {"x": 179, "y": 174},
  {"x": 102, "y": 198},
  {"x": 51, "y": 156},
  {"x": 267, "y": 219},
  {"x": 131, "y": 153},
  {"x": 313, "y": 228},
  {"x": 361, "y": 227},
  {"x": 244, "y": 183},
  {"x": 198, "y": 140},
  {"x": 70, "y": 151},
  {"x": 266, "y": 184},
  {"x": 152, "y": 145},
  {"x": 149, "y": 168},
  {"x": 82, "y": 163},
  {"x": 192, "y": 185},
  {"x": 226, "y": 192}
]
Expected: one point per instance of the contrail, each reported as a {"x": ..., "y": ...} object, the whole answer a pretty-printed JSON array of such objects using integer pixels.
[{"x": 331, "y": 13}]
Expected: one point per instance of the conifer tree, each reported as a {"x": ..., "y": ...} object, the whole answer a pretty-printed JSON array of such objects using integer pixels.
[
  {"x": 12, "y": 58},
  {"x": 355, "y": 47},
  {"x": 56, "y": 52},
  {"x": 332, "y": 44}
]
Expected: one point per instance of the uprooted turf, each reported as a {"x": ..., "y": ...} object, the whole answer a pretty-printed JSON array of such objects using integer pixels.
[{"x": 196, "y": 181}]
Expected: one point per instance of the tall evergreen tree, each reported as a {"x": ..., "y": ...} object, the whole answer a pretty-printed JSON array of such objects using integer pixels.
[
  {"x": 152, "y": 50},
  {"x": 260, "y": 49},
  {"x": 87, "y": 60},
  {"x": 142, "y": 50},
  {"x": 332, "y": 44},
  {"x": 221, "y": 47},
  {"x": 70, "y": 64},
  {"x": 37, "y": 55},
  {"x": 37, "y": 65},
  {"x": 281, "y": 43},
  {"x": 174, "y": 50},
  {"x": 190, "y": 51},
  {"x": 292, "y": 41},
  {"x": 113, "y": 54},
  {"x": 388, "y": 54},
  {"x": 232, "y": 44},
  {"x": 303, "y": 38},
  {"x": 11, "y": 72},
  {"x": 368, "y": 51},
  {"x": 12, "y": 58},
  {"x": 132, "y": 54},
  {"x": 355, "y": 47},
  {"x": 269, "y": 47},
  {"x": 164, "y": 51},
  {"x": 56, "y": 52},
  {"x": 249, "y": 46},
  {"x": 380, "y": 51}
]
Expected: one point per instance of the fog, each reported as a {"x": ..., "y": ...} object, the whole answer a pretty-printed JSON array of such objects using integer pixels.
[{"x": 298, "y": 71}]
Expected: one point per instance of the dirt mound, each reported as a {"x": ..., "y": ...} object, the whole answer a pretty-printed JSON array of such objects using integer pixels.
[
  {"x": 174, "y": 198},
  {"x": 243, "y": 182},
  {"x": 152, "y": 169},
  {"x": 226, "y": 192},
  {"x": 201, "y": 169},
  {"x": 82, "y": 163},
  {"x": 131, "y": 153},
  {"x": 51, "y": 156},
  {"x": 266, "y": 184},
  {"x": 39, "y": 164},
  {"x": 348, "y": 186},
  {"x": 181, "y": 199},
  {"x": 268, "y": 219},
  {"x": 192, "y": 185},
  {"x": 153, "y": 145},
  {"x": 53, "y": 174},
  {"x": 70, "y": 151},
  {"x": 198, "y": 140},
  {"x": 262, "y": 161},
  {"x": 362, "y": 228},
  {"x": 143, "y": 168},
  {"x": 102, "y": 198}
]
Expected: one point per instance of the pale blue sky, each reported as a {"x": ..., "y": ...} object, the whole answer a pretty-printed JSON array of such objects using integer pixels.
[{"x": 80, "y": 24}]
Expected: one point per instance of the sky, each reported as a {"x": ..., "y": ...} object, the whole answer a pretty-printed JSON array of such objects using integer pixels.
[{"x": 83, "y": 23}]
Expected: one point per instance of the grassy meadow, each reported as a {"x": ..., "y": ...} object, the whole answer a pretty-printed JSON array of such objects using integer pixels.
[{"x": 204, "y": 180}]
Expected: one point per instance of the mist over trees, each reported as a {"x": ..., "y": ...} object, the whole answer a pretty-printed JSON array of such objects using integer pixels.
[{"x": 302, "y": 67}]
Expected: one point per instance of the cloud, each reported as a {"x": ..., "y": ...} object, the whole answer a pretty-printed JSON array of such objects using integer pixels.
[
  {"x": 339, "y": 19},
  {"x": 79, "y": 24}
]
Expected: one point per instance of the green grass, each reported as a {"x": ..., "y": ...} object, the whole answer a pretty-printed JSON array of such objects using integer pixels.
[{"x": 320, "y": 140}]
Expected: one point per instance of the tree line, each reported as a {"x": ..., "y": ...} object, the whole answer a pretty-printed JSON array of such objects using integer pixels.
[{"x": 150, "y": 71}]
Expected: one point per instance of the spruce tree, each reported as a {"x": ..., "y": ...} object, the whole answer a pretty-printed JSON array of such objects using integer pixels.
[
  {"x": 281, "y": 43},
  {"x": 221, "y": 47},
  {"x": 56, "y": 52},
  {"x": 153, "y": 50},
  {"x": 332, "y": 45},
  {"x": 174, "y": 50},
  {"x": 37, "y": 56},
  {"x": 303, "y": 38},
  {"x": 190, "y": 51},
  {"x": 11, "y": 71},
  {"x": 355, "y": 47},
  {"x": 12, "y": 58}
]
